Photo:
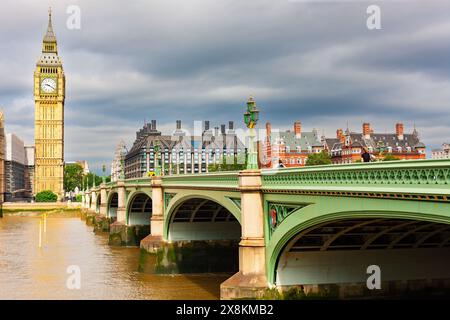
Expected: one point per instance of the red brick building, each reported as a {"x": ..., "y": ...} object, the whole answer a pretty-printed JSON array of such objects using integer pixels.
[
  {"x": 348, "y": 146},
  {"x": 290, "y": 147}
]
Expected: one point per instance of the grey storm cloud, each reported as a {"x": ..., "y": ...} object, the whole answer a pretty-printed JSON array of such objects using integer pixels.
[{"x": 199, "y": 60}]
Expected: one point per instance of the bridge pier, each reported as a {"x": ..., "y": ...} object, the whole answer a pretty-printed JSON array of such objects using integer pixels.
[
  {"x": 93, "y": 201},
  {"x": 103, "y": 201},
  {"x": 119, "y": 232},
  {"x": 121, "y": 210},
  {"x": 251, "y": 280},
  {"x": 153, "y": 241},
  {"x": 86, "y": 200}
]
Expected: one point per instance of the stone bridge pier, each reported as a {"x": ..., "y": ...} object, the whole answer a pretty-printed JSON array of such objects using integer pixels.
[
  {"x": 251, "y": 280},
  {"x": 153, "y": 241}
]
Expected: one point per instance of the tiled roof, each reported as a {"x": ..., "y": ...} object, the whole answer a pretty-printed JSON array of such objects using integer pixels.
[
  {"x": 290, "y": 139},
  {"x": 386, "y": 140}
]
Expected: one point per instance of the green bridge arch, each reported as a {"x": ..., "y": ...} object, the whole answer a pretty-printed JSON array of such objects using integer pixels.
[
  {"x": 221, "y": 198},
  {"x": 109, "y": 197},
  {"x": 327, "y": 209},
  {"x": 131, "y": 198}
]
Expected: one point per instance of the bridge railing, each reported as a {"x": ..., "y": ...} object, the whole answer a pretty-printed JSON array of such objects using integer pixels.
[
  {"x": 216, "y": 180},
  {"x": 427, "y": 175},
  {"x": 414, "y": 176},
  {"x": 139, "y": 181}
]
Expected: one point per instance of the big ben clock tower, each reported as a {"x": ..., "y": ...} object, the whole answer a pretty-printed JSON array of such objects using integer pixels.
[{"x": 49, "y": 94}]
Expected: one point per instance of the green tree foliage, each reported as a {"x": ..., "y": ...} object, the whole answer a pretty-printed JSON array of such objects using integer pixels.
[
  {"x": 46, "y": 196},
  {"x": 73, "y": 175},
  {"x": 389, "y": 157},
  {"x": 230, "y": 163},
  {"x": 98, "y": 179},
  {"x": 315, "y": 159}
]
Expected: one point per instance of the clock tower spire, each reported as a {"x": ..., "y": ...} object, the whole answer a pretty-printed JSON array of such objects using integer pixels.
[
  {"x": 49, "y": 96},
  {"x": 49, "y": 42}
]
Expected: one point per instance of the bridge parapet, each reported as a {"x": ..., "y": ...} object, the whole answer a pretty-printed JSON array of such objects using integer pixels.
[
  {"x": 217, "y": 181},
  {"x": 139, "y": 181},
  {"x": 421, "y": 180}
]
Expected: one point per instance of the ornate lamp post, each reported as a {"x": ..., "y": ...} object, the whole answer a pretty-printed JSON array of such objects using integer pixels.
[
  {"x": 381, "y": 148},
  {"x": 104, "y": 171},
  {"x": 251, "y": 116},
  {"x": 156, "y": 153}
]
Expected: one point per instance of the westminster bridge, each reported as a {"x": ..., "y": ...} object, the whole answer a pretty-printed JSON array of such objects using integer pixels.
[{"x": 311, "y": 226}]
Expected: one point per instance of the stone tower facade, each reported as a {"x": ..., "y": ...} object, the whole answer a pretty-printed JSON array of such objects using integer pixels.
[{"x": 49, "y": 94}]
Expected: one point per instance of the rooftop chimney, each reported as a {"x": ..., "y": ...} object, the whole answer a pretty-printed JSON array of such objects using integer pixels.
[
  {"x": 399, "y": 130},
  {"x": 340, "y": 135},
  {"x": 222, "y": 129},
  {"x": 178, "y": 124},
  {"x": 298, "y": 128},
  {"x": 366, "y": 130},
  {"x": 206, "y": 125},
  {"x": 268, "y": 129},
  {"x": 153, "y": 124},
  {"x": 231, "y": 125}
]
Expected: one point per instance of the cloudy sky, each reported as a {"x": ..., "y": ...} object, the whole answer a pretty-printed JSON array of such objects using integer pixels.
[{"x": 312, "y": 61}]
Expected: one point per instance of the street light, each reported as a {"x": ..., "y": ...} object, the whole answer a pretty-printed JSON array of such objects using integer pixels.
[
  {"x": 104, "y": 171},
  {"x": 156, "y": 158},
  {"x": 251, "y": 116}
]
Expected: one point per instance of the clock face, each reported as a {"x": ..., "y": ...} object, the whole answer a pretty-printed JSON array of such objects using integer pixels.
[{"x": 48, "y": 85}]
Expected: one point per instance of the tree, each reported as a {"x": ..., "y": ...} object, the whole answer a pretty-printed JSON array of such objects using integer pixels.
[
  {"x": 98, "y": 179},
  {"x": 315, "y": 159},
  {"x": 230, "y": 163},
  {"x": 46, "y": 196},
  {"x": 389, "y": 157},
  {"x": 73, "y": 175}
]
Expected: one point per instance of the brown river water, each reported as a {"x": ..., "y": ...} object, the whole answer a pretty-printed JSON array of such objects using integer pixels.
[{"x": 28, "y": 271}]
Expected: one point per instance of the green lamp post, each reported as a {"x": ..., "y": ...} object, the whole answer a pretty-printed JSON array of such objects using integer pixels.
[
  {"x": 104, "y": 171},
  {"x": 251, "y": 116},
  {"x": 156, "y": 157},
  {"x": 381, "y": 148},
  {"x": 93, "y": 180}
]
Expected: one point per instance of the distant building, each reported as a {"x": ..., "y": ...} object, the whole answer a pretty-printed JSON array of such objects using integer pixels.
[
  {"x": 2, "y": 157},
  {"x": 348, "y": 146},
  {"x": 180, "y": 153},
  {"x": 116, "y": 164},
  {"x": 443, "y": 153},
  {"x": 29, "y": 169},
  {"x": 82, "y": 163},
  {"x": 291, "y": 148},
  {"x": 17, "y": 183}
]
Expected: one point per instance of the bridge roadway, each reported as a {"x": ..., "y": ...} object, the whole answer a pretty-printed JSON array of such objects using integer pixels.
[{"x": 319, "y": 227}]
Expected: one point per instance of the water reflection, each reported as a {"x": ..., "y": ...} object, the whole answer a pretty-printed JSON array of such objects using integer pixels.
[{"x": 30, "y": 272}]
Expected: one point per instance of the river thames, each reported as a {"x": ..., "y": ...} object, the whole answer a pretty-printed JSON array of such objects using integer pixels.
[{"x": 32, "y": 272}]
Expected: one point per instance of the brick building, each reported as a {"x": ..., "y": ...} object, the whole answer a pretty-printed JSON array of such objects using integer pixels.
[
  {"x": 348, "y": 146},
  {"x": 290, "y": 147}
]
